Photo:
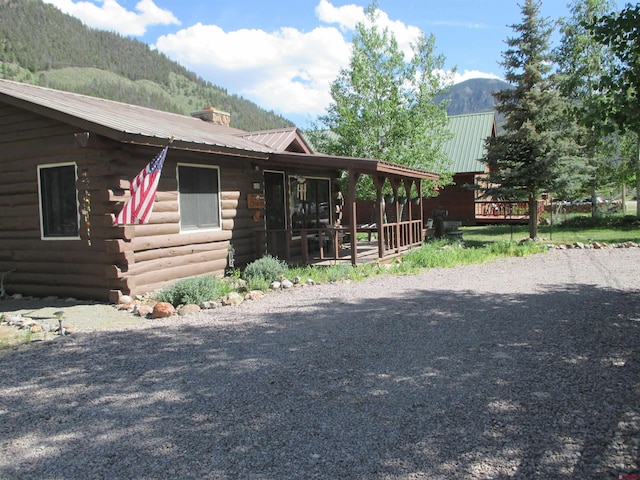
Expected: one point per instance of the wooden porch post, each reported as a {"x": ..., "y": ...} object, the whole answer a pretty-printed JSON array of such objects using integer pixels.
[
  {"x": 407, "y": 190},
  {"x": 353, "y": 215},
  {"x": 420, "y": 199},
  {"x": 394, "y": 186},
  {"x": 379, "y": 183}
]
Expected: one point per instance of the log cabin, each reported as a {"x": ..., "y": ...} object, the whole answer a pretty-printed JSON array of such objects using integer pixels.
[{"x": 225, "y": 197}]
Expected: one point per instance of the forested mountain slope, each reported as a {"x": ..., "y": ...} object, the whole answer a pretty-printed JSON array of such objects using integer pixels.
[{"x": 43, "y": 46}]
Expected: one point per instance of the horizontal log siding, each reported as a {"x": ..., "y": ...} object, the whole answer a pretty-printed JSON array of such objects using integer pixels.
[
  {"x": 162, "y": 254},
  {"x": 48, "y": 267}
]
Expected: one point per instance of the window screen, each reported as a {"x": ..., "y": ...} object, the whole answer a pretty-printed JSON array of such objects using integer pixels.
[
  {"x": 58, "y": 201},
  {"x": 199, "y": 198}
]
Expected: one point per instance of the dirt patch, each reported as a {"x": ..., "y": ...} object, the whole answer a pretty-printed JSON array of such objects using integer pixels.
[{"x": 78, "y": 316}]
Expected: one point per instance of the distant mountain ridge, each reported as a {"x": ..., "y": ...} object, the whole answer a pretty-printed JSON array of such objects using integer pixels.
[
  {"x": 474, "y": 95},
  {"x": 41, "y": 45}
]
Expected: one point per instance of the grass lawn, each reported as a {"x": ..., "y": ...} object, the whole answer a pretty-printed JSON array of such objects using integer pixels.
[{"x": 613, "y": 229}]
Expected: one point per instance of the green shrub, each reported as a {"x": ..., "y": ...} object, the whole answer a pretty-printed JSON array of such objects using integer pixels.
[
  {"x": 603, "y": 221},
  {"x": 258, "y": 283},
  {"x": 268, "y": 268},
  {"x": 193, "y": 290}
]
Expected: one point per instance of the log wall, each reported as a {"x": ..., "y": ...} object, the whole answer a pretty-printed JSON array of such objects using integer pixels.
[
  {"x": 456, "y": 199},
  {"x": 69, "y": 267},
  {"x": 162, "y": 253}
]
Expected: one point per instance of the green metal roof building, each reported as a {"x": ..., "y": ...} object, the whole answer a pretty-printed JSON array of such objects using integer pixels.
[{"x": 467, "y": 146}]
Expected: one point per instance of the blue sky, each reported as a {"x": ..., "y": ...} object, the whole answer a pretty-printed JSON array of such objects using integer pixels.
[{"x": 284, "y": 54}]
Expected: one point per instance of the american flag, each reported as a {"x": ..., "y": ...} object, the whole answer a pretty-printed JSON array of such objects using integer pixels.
[{"x": 143, "y": 192}]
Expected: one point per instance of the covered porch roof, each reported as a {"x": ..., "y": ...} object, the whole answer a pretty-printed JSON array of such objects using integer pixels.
[{"x": 361, "y": 166}]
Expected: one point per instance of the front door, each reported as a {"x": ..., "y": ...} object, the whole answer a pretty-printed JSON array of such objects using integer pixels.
[{"x": 275, "y": 213}]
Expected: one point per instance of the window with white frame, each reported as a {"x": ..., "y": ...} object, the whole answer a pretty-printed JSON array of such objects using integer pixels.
[
  {"x": 58, "y": 200},
  {"x": 199, "y": 197}
]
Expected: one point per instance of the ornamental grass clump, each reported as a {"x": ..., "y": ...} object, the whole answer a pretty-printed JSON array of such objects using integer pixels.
[
  {"x": 193, "y": 291},
  {"x": 260, "y": 273}
]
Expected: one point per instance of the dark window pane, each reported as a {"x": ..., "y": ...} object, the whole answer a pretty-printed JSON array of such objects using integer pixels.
[
  {"x": 59, "y": 201},
  {"x": 310, "y": 205},
  {"x": 199, "y": 204}
]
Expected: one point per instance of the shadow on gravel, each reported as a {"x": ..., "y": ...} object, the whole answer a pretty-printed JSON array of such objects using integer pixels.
[{"x": 436, "y": 385}]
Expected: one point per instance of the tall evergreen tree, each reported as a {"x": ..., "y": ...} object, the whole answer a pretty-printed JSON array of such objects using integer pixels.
[
  {"x": 532, "y": 155},
  {"x": 383, "y": 104},
  {"x": 582, "y": 62}
]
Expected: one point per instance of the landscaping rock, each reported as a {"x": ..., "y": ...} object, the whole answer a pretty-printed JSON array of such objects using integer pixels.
[
  {"x": 232, "y": 299},
  {"x": 125, "y": 299},
  {"x": 143, "y": 310},
  {"x": 286, "y": 283},
  {"x": 188, "y": 309},
  {"x": 208, "y": 305},
  {"x": 163, "y": 310},
  {"x": 254, "y": 295}
]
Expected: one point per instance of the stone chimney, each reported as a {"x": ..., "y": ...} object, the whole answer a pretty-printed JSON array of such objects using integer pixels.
[{"x": 213, "y": 115}]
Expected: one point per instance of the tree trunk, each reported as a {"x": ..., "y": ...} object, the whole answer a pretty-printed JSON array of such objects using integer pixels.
[
  {"x": 533, "y": 217},
  {"x": 623, "y": 199},
  {"x": 594, "y": 203}
]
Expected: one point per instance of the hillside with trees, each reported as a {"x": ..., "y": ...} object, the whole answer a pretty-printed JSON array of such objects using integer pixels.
[{"x": 42, "y": 46}]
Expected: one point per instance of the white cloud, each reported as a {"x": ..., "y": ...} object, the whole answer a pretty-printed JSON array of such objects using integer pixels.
[
  {"x": 287, "y": 70},
  {"x": 468, "y": 74},
  {"x": 113, "y": 17},
  {"x": 348, "y": 16}
]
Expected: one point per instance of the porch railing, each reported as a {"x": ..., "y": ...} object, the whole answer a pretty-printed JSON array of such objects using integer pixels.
[
  {"x": 504, "y": 210},
  {"x": 328, "y": 243}
]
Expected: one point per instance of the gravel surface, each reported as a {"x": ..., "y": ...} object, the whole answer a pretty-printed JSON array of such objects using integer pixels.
[{"x": 520, "y": 368}]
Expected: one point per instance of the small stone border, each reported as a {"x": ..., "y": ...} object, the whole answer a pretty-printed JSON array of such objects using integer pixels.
[{"x": 145, "y": 306}]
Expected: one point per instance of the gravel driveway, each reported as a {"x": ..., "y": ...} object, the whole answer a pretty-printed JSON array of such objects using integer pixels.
[{"x": 521, "y": 368}]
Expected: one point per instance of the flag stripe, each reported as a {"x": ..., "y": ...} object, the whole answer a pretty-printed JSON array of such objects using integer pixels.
[{"x": 143, "y": 188}]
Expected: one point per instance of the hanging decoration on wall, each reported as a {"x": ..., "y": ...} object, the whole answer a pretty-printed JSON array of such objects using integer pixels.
[{"x": 86, "y": 204}]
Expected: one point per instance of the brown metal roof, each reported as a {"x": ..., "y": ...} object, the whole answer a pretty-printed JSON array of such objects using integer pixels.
[
  {"x": 132, "y": 124},
  {"x": 281, "y": 140},
  {"x": 123, "y": 122}
]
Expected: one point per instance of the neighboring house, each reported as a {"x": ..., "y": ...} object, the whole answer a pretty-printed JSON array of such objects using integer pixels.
[
  {"x": 466, "y": 148},
  {"x": 225, "y": 197}
]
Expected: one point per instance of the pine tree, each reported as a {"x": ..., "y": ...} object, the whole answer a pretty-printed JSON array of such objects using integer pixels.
[{"x": 534, "y": 154}]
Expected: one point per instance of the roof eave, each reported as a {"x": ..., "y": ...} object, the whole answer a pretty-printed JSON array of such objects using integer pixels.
[{"x": 358, "y": 165}]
